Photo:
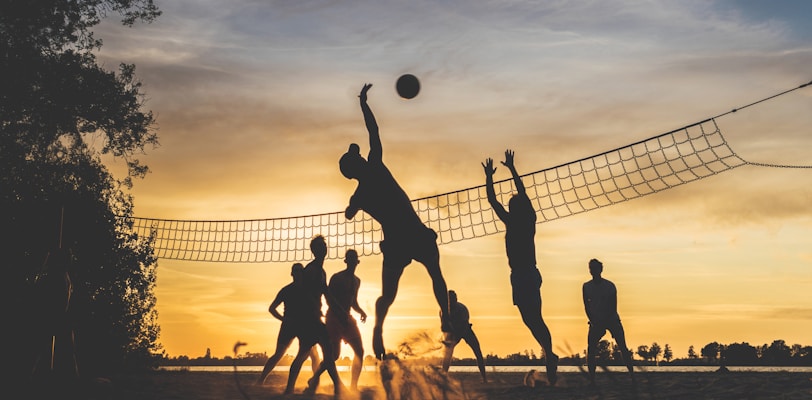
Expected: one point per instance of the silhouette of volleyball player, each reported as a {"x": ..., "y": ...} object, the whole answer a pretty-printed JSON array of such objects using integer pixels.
[
  {"x": 295, "y": 301},
  {"x": 343, "y": 289},
  {"x": 406, "y": 238},
  {"x": 600, "y": 304},
  {"x": 315, "y": 286},
  {"x": 525, "y": 278},
  {"x": 460, "y": 328}
]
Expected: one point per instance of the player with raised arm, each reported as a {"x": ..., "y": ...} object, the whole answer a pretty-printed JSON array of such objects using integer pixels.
[
  {"x": 406, "y": 238},
  {"x": 525, "y": 278}
]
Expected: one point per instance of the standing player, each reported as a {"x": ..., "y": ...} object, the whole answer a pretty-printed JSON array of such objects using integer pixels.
[
  {"x": 600, "y": 304},
  {"x": 460, "y": 329},
  {"x": 294, "y": 300},
  {"x": 343, "y": 289},
  {"x": 313, "y": 331},
  {"x": 315, "y": 282},
  {"x": 525, "y": 278},
  {"x": 406, "y": 238}
]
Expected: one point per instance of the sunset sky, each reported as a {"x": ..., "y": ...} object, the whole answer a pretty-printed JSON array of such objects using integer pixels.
[{"x": 257, "y": 100}]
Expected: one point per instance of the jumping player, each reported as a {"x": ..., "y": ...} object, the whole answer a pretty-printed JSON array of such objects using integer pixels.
[
  {"x": 525, "y": 278},
  {"x": 406, "y": 238}
]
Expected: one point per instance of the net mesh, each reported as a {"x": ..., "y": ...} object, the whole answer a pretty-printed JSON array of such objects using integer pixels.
[{"x": 642, "y": 168}]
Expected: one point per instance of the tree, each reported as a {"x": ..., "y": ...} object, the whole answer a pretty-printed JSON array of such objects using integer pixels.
[
  {"x": 797, "y": 351},
  {"x": 741, "y": 354},
  {"x": 654, "y": 352},
  {"x": 59, "y": 114},
  {"x": 692, "y": 353},
  {"x": 604, "y": 352},
  {"x": 778, "y": 353},
  {"x": 803, "y": 356},
  {"x": 711, "y": 351},
  {"x": 667, "y": 353},
  {"x": 643, "y": 352},
  {"x": 617, "y": 354}
]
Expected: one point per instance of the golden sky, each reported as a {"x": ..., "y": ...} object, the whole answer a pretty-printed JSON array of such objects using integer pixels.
[{"x": 257, "y": 100}]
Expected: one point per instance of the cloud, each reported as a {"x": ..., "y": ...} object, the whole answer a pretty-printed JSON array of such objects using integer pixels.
[
  {"x": 789, "y": 313},
  {"x": 752, "y": 311}
]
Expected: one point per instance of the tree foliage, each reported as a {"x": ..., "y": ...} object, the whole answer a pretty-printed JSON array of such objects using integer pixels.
[
  {"x": 603, "y": 353},
  {"x": 654, "y": 352},
  {"x": 668, "y": 354},
  {"x": 741, "y": 354},
  {"x": 617, "y": 353},
  {"x": 60, "y": 112},
  {"x": 777, "y": 353},
  {"x": 691, "y": 352},
  {"x": 711, "y": 351},
  {"x": 643, "y": 352}
]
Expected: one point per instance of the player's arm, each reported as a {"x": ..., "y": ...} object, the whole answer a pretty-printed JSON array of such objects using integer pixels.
[
  {"x": 331, "y": 299},
  {"x": 463, "y": 314},
  {"x": 512, "y": 167},
  {"x": 274, "y": 305},
  {"x": 375, "y": 146},
  {"x": 360, "y": 312},
  {"x": 495, "y": 204},
  {"x": 351, "y": 209},
  {"x": 586, "y": 302},
  {"x": 613, "y": 299},
  {"x": 329, "y": 295},
  {"x": 332, "y": 302},
  {"x": 355, "y": 306}
]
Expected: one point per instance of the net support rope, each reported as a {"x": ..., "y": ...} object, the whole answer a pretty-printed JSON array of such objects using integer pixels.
[{"x": 646, "y": 167}]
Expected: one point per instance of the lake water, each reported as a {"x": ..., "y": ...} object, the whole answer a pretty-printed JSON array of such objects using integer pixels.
[{"x": 520, "y": 368}]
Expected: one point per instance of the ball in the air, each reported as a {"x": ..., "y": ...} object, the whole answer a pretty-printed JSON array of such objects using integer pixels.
[{"x": 408, "y": 86}]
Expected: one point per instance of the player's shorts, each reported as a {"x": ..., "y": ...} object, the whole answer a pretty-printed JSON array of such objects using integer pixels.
[
  {"x": 420, "y": 246},
  {"x": 526, "y": 284},
  {"x": 309, "y": 331},
  {"x": 288, "y": 330},
  {"x": 598, "y": 330},
  {"x": 338, "y": 330},
  {"x": 463, "y": 331}
]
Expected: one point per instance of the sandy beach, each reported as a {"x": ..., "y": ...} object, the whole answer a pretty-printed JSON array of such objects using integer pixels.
[{"x": 183, "y": 385}]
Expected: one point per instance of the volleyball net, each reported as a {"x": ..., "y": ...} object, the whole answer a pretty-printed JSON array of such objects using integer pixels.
[{"x": 646, "y": 167}]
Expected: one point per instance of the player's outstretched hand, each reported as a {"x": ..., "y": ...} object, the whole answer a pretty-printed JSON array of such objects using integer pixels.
[
  {"x": 508, "y": 158},
  {"x": 488, "y": 166},
  {"x": 364, "y": 91}
]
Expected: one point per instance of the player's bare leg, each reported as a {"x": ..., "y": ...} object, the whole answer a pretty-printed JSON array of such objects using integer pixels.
[
  {"x": 282, "y": 344},
  {"x": 449, "y": 342},
  {"x": 480, "y": 361},
  {"x": 531, "y": 316},
  {"x": 620, "y": 338},
  {"x": 296, "y": 366},
  {"x": 357, "y": 365},
  {"x": 438, "y": 284},
  {"x": 390, "y": 279}
]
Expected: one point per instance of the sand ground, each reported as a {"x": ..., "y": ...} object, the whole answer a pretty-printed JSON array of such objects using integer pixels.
[{"x": 183, "y": 385}]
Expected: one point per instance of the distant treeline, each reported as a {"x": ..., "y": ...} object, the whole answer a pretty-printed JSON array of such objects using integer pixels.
[{"x": 778, "y": 353}]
